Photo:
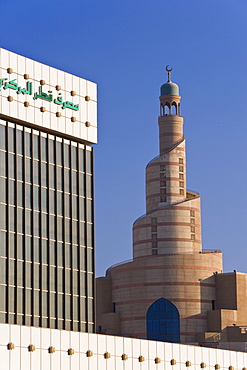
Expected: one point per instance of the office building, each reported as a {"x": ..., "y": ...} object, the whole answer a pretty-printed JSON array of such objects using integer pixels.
[
  {"x": 47, "y": 123},
  {"x": 172, "y": 290}
]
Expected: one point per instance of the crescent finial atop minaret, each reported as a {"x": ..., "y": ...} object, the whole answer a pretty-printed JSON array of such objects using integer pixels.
[{"x": 169, "y": 73}]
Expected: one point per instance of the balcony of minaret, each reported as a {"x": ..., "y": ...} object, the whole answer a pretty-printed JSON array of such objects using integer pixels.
[{"x": 170, "y": 109}]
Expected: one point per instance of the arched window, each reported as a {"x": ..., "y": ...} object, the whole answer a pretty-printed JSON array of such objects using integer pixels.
[
  {"x": 163, "y": 323},
  {"x": 167, "y": 109},
  {"x": 174, "y": 109}
]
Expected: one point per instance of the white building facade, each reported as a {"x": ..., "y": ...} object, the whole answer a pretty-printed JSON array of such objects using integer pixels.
[{"x": 30, "y": 348}]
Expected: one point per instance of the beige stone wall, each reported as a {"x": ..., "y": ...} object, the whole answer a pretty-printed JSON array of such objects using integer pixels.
[
  {"x": 174, "y": 227},
  {"x": 241, "y": 282},
  {"x": 165, "y": 177},
  {"x": 231, "y": 307},
  {"x": 171, "y": 131},
  {"x": 184, "y": 279}
]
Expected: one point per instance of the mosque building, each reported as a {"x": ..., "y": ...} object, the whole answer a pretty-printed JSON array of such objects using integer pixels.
[{"x": 172, "y": 290}]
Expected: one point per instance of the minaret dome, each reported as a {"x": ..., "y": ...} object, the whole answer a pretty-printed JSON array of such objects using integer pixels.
[{"x": 169, "y": 88}]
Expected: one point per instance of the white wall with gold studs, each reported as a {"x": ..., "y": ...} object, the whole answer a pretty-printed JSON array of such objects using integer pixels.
[
  {"x": 30, "y": 348},
  {"x": 47, "y": 97}
]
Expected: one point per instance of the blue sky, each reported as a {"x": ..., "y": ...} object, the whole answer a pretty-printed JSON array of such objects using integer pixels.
[{"x": 124, "y": 47}]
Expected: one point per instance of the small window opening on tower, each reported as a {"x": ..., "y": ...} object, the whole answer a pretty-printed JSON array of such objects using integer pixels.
[
  {"x": 181, "y": 191},
  {"x": 181, "y": 169},
  {"x": 193, "y": 237},
  {"x": 192, "y": 213},
  {"x": 113, "y": 307},
  {"x": 162, "y": 184},
  {"x": 181, "y": 176},
  {"x": 174, "y": 109},
  {"x": 181, "y": 160},
  {"x": 162, "y": 175},
  {"x": 192, "y": 221},
  {"x": 163, "y": 199},
  {"x": 181, "y": 184},
  {"x": 154, "y": 251},
  {"x": 154, "y": 244},
  {"x": 213, "y": 305},
  {"x": 163, "y": 168},
  {"x": 167, "y": 110},
  {"x": 154, "y": 220},
  {"x": 154, "y": 229}
]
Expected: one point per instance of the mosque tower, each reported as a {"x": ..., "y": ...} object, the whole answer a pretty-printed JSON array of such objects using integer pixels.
[{"x": 164, "y": 293}]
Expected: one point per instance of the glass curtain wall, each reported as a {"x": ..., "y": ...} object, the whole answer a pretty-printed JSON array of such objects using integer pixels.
[{"x": 46, "y": 226}]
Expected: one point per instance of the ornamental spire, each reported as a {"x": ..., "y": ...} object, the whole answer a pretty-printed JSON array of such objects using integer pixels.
[{"x": 169, "y": 74}]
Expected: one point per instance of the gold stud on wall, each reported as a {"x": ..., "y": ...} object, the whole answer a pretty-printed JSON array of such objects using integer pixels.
[
  {"x": 141, "y": 359},
  {"x": 58, "y": 114},
  {"x": 188, "y": 363},
  {"x": 43, "y": 109},
  {"x": 173, "y": 362},
  {"x": 87, "y": 98},
  {"x": 26, "y": 76},
  {"x": 89, "y": 353},
  {"x": 31, "y": 348},
  {"x": 9, "y": 70},
  {"x": 10, "y": 346},
  {"x": 26, "y": 104},
  {"x": 217, "y": 367},
  {"x": 58, "y": 87},
  {"x": 51, "y": 349},
  {"x": 71, "y": 351},
  {"x": 73, "y": 93},
  {"x": 124, "y": 357},
  {"x": 42, "y": 82},
  {"x": 157, "y": 360},
  {"x": 10, "y": 98},
  {"x": 107, "y": 355},
  {"x": 203, "y": 365},
  {"x": 231, "y": 368},
  {"x": 88, "y": 124},
  {"x": 73, "y": 119}
]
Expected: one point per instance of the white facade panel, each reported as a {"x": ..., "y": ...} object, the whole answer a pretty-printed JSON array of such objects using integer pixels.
[
  {"x": 21, "y": 358},
  {"x": 55, "y": 91}
]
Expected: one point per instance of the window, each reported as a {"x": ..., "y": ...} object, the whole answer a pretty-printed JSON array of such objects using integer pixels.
[
  {"x": 162, "y": 183},
  {"x": 154, "y": 220},
  {"x": 163, "y": 191},
  {"x": 154, "y": 229},
  {"x": 181, "y": 168},
  {"x": 163, "y": 199},
  {"x": 192, "y": 229},
  {"x": 192, "y": 220},
  {"x": 192, "y": 213},
  {"x": 181, "y": 161},
  {"x": 163, "y": 168},
  {"x": 162, "y": 175},
  {"x": 154, "y": 244},
  {"x": 193, "y": 237},
  {"x": 154, "y": 236},
  {"x": 181, "y": 184},
  {"x": 154, "y": 252},
  {"x": 163, "y": 322},
  {"x": 181, "y": 176},
  {"x": 181, "y": 191}
]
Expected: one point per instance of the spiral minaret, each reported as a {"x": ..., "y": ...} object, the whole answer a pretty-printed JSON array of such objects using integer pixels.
[
  {"x": 169, "y": 267},
  {"x": 172, "y": 222}
]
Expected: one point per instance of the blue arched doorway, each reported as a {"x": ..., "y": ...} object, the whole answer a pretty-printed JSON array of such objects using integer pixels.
[{"x": 163, "y": 323}]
